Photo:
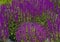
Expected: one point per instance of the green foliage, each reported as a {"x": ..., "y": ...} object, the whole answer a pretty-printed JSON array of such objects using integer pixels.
[
  {"x": 5, "y": 2},
  {"x": 12, "y": 28},
  {"x": 58, "y": 40},
  {"x": 41, "y": 20}
]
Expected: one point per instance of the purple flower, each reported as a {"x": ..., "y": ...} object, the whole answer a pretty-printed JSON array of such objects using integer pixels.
[
  {"x": 4, "y": 33},
  {"x": 57, "y": 22},
  {"x": 53, "y": 27},
  {"x": 30, "y": 32}
]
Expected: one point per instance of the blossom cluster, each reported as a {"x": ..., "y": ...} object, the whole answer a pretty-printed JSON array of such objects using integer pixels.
[{"x": 30, "y": 21}]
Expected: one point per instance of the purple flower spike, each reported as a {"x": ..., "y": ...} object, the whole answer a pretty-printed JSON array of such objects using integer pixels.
[
  {"x": 57, "y": 22},
  {"x": 49, "y": 28},
  {"x": 4, "y": 33},
  {"x": 30, "y": 32},
  {"x": 32, "y": 6}
]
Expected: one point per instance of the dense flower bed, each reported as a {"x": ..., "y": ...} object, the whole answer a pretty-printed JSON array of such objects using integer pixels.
[{"x": 44, "y": 13}]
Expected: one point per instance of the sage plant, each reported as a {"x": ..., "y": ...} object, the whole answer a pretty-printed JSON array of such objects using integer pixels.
[
  {"x": 30, "y": 32},
  {"x": 4, "y": 32}
]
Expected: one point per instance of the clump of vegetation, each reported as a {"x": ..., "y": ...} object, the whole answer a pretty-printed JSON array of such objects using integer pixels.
[{"x": 5, "y": 2}]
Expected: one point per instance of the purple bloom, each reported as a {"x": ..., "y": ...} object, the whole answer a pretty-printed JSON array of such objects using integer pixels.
[
  {"x": 4, "y": 33},
  {"x": 33, "y": 7},
  {"x": 30, "y": 32},
  {"x": 57, "y": 22},
  {"x": 53, "y": 27}
]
